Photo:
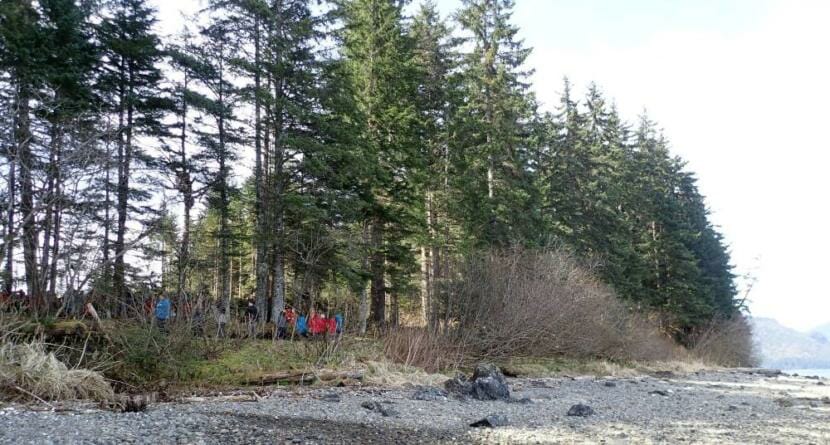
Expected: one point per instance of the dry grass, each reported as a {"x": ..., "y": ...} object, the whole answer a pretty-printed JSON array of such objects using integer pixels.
[
  {"x": 28, "y": 371},
  {"x": 393, "y": 374}
]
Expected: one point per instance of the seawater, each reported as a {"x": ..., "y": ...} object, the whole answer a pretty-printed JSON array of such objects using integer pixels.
[{"x": 809, "y": 372}]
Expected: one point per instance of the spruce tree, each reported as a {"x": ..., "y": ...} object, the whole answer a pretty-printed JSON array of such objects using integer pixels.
[
  {"x": 499, "y": 201},
  {"x": 438, "y": 93},
  {"x": 129, "y": 85},
  {"x": 378, "y": 58}
]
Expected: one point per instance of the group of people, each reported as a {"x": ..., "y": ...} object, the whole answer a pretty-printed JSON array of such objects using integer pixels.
[{"x": 291, "y": 323}]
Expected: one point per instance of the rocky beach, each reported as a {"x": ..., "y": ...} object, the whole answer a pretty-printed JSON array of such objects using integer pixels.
[{"x": 729, "y": 406}]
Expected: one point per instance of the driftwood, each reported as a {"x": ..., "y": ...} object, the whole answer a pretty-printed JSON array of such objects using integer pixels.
[
  {"x": 302, "y": 377},
  {"x": 63, "y": 328},
  {"x": 249, "y": 397}
]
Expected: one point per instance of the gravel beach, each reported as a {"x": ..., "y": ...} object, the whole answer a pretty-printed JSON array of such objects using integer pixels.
[{"x": 740, "y": 406}]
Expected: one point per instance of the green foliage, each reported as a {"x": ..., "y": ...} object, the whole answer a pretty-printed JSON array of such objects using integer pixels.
[{"x": 385, "y": 150}]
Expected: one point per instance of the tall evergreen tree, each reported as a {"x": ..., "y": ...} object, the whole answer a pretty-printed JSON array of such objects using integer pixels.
[
  {"x": 378, "y": 56},
  {"x": 130, "y": 87},
  {"x": 499, "y": 199},
  {"x": 437, "y": 99},
  {"x": 22, "y": 49}
]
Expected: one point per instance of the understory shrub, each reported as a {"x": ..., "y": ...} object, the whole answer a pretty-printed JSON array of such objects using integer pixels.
[
  {"x": 543, "y": 303},
  {"x": 725, "y": 342},
  {"x": 522, "y": 303}
]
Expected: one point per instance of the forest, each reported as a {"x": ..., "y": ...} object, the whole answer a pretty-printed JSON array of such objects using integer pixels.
[{"x": 343, "y": 154}]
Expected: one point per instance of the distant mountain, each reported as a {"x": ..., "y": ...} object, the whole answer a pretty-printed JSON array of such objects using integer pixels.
[
  {"x": 823, "y": 330},
  {"x": 782, "y": 347}
]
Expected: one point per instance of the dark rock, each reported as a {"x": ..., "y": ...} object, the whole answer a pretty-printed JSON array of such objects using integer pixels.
[
  {"x": 665, "y": 374},
  {"x": 610, "y": 384},
  {"x": 489, "y": 383},
  {"x": 379, "y": 408},
  {"x": 732, "y": 408},
  {"x": 770, "y": 372},
  {"x": 430, "y": 394},
  {"x": 580, "y": 410},
  {"x": 459, "y": 385},
  {"x": 784, "y": 403},
  {"x": 490, "y": 388},
  {"x": 389, "y": 412},
  {"x": 133, "y": 403},
  {"x": 820, "y": 383},
  {"x": 522, "y": 401},
  {"x": 659, "y": 392},
  {"x": 330, "y": 397},
  {"x": 491, "y": 421}
]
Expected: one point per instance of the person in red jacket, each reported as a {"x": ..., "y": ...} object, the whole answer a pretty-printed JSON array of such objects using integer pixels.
[
  {"x": 317, "y": 326},
  {"x": 331, "y": 326}
]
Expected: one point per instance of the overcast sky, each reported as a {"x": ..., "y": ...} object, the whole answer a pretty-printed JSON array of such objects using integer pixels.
[{"x": 741, "y": 88}]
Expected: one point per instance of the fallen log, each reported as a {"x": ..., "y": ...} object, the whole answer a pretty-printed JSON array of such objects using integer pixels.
[
  {"x": 295, "y": 378},
  {"x": 340, "y": 375},
  {"x": 302, "y": 377}
]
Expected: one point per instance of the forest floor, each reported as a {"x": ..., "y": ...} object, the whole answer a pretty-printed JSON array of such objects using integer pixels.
[{"x": 709, "y": 406}]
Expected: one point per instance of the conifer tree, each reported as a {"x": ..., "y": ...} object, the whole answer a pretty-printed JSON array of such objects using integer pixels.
[
  {"x": 22, "y": 47},
  {"x": 499, "y": 199},
  {"x": 379, "y": 67},
  {"x": 437, "y": 98},
  {"x": 129, "y": 85}
]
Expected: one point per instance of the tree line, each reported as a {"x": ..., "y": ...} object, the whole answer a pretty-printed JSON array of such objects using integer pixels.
[{"x": 340, "y": 150}]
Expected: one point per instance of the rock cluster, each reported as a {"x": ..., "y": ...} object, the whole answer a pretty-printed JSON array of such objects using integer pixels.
[{"x": 487, "y": 383}]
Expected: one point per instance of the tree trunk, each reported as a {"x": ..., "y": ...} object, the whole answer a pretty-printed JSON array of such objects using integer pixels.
[
  {"x": 363, "y": 304},
  {"x": 123, "y": 187},
  {"x": 378, "y": 271},
  {"x": 260, "y": 236},
  {"x": 395, "y": 310},
  {"x": 8, "y": 270},
  {"x": 224, "y": 248},
  {"x": 50, "y": 203},
  {"x": 105, "y": 272},
  {"x": 425, "y": 286},
  {"x": 25, "y": 160},
  {"x": 186, "y": 188}
]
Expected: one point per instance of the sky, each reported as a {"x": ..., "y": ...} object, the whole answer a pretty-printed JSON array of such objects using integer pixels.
[{"x": 741, "y": 88}]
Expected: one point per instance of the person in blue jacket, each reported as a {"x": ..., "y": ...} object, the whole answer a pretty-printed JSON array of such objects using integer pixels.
[
  {"x": 301, "y": 328},
  {"x": 339, "y": 319},
  {"x": 163, "y": 310}
]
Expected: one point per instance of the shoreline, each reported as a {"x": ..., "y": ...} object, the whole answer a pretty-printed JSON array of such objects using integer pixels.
[{"x": 729, "y": 406}]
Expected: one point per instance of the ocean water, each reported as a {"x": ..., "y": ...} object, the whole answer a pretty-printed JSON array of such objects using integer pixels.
[{"x": 809, "y": 372}]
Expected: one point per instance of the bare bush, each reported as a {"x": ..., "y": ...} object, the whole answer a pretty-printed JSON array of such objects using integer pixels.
[
  {"x": 543, "y": 303},
  {"x": 725, "y": 342},
  {"x": 421, "y": 348}
]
